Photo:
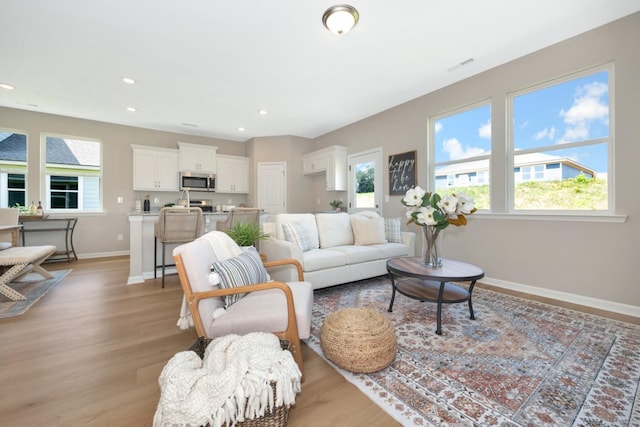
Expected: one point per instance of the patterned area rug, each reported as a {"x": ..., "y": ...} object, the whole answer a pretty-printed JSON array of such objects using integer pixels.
[
  {"x": 34, "y": 287},
  {"x": 520, "y": 363}
]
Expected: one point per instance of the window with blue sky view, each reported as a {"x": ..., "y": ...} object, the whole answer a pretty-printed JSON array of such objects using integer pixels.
[{"x": 558, "y": 144}]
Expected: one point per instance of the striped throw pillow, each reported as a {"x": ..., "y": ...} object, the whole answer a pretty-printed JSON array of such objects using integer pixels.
[{"x": 244, "y": 269}]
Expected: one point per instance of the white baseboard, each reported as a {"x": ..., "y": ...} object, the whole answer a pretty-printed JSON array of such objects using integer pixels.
[
  {"x": 102, "y": 254},
  {"x": 616, "y": 307}
]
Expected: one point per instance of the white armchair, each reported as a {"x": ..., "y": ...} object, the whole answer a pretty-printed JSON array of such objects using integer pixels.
[{"x": 270, "y": 306}]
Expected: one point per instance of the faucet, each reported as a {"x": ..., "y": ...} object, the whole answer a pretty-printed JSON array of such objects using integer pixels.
[{"x": 185, "y": 191}]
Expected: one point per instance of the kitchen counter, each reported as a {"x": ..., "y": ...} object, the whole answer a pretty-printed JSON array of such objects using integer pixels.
[{"x": 142, "y": 239}]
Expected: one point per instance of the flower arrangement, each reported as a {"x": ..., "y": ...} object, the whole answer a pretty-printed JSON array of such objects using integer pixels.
[{"x": 435, "y": 213}]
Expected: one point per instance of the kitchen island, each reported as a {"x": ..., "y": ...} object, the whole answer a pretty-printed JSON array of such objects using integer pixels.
[{"x": 141, "y": 240}]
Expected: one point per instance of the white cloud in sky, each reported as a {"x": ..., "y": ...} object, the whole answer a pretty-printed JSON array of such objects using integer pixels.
[
  {"x": 454, "y": 148},
  {"x": 438, "y": 127},
  {"x": 549, "y": 133},
  {"x": 588, "y": 106},
  {"x": 484, "y": 131}
]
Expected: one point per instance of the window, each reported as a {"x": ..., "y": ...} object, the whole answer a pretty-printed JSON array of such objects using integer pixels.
[
  {"x": 13, "y": 168},
  {"x": 560, "y": 144},
  {"x": 365, "y": 176},
  {"x": 462, "y": 152},
  {"x": 73, "y": 173}
]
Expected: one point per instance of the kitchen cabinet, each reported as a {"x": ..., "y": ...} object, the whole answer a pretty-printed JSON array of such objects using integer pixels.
[
  {"x": 332, "y": 161},
  {"x": 155, "y": 169},
  {"x": 233, "y": 174},
  {"x": 197, "y": 158}
]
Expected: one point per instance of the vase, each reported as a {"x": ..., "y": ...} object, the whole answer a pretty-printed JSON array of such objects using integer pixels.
[{"x": 430, "y": 255}]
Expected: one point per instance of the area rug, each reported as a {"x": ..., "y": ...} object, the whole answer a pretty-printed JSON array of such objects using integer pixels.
[
  {"x": 520, "y": 363},
  {"x": 34, "y": 287}
]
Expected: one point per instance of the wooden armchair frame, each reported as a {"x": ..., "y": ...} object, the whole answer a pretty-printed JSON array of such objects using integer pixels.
[{"x": 290, "y": 333}]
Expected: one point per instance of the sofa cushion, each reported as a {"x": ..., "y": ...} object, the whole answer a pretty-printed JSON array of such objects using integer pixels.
[
  {"x": 390, "y": 250},
  {"x": 319, "y": 259},
  {"x": 308, "y": 219},
  {"x": 368, "y": 231},
  {"x": 356, "y": 254},
  {"x": 392, "y": 230},
  {"x": 244, "y": 269},
  {"x": 299, "y": 233},
  {"x": 334, "y": 229}
]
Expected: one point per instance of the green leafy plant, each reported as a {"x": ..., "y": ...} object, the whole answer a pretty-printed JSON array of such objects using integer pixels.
[
  {"x": 246, "y": 234},
  {"x": 335, "y": 204}
]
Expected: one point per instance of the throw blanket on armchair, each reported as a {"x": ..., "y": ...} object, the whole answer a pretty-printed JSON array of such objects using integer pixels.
[{"x": 230, "y": 384}]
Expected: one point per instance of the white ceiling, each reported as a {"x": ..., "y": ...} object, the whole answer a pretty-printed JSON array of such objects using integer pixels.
[{"x": 215, "y": 63}]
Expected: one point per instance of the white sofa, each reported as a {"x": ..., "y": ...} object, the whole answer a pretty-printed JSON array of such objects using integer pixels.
[{"x": 335, "y": 248}]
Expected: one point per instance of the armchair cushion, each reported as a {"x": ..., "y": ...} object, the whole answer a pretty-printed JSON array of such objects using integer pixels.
[{"x": 241, "y": 270}]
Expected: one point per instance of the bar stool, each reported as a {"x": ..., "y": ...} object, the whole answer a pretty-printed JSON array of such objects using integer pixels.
[{"x": 175, "y": 225}]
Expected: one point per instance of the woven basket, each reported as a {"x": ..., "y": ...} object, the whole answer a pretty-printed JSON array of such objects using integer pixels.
[
  {"x": 359, "y": 340},
  {"x": 280, "y": 414}
]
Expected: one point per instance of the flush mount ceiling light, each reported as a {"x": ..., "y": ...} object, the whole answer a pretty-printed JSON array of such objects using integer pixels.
[
  {"x": 6, "y": 86},
  {"x": 340, "y": 19}
]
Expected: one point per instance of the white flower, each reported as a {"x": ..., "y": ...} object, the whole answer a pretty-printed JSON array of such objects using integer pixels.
[
  {"x": 425, "y": 216},
  {"x": 465, "y": 204},
  {"x": 414, "y": 196},
  {"x": 448, "y": 204}
]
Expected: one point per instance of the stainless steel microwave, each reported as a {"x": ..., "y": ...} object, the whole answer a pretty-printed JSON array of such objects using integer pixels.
[{"x": 197, "y": 181}]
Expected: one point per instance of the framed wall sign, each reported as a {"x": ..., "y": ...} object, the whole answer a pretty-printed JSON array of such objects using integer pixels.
[{"x": 402, "y": 172}]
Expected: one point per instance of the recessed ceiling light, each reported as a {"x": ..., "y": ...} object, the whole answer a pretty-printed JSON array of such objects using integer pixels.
[
  {"x": 128, "y": 80},
  {"x": 262, "y": 112},
  {"x": 241, "y": 129},
  {"x": 6, "y": 86},
  {"x": 132, "y": 109}
]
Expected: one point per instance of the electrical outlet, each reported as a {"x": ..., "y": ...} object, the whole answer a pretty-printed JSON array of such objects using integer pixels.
[
  {"x": 156, "y": 200},
  {"x": 120, "y": 237},
  {"x": 120, "y": 199}
]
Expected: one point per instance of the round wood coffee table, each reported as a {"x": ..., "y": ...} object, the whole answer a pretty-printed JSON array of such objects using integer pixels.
[{"x": 412, "y": 278}]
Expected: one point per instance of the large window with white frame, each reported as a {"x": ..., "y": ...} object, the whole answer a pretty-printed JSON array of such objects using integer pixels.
[
  {"x": 73, "y": 173},
  {"x": 13, "y": 168},
  {"x": 461, "y": 151},
  {"x": 560, "y": 144}
]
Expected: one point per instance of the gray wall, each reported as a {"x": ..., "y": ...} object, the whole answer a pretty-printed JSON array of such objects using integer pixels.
[{"x": 598, "y": 260}]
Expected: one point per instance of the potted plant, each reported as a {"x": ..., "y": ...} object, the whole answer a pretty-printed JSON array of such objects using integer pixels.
[
  {"x": 336, "y": 204},
  {"x": 246, "y": 234}
]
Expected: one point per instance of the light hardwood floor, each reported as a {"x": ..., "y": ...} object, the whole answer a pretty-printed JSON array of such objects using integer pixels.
[
  {"x": 91, "y": 350},
  {"x": 90, "y": 353}
]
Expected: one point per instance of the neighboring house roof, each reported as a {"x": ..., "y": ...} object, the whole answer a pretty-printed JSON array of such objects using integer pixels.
[
  {"x": 519, "y": 161},
  {"x": 68, "y": 151},
  {"x": 13, "y": 147}
]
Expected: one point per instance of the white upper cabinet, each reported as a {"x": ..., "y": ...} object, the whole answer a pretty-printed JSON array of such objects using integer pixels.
[
  {"x": 155, "y": 169},
  {"x": 233, "y": 174},
  {"x": 332, "y": 161},
  {"x": 197, "y": 158}
]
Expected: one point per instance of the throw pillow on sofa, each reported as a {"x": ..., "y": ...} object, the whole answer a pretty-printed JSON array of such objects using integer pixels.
[
  {"x": 244, "y": 269},
  {"x": 392, "y": 230},
  {"x": 368, "y": 231},
  {"x": 334, "y": 229},
  {"x": 298, "y": 233}
]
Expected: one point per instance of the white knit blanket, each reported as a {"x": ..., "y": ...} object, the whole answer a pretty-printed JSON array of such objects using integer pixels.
[{"x": 230, "y": 384}]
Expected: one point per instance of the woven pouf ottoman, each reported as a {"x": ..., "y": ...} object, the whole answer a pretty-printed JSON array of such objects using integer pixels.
[{"x": 358, "y": 340}]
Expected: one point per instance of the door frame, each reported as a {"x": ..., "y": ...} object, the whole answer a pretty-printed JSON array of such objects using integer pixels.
[{"x": 376, "y": 153}]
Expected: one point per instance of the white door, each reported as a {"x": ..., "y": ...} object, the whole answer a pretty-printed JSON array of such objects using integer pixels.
[
  {"x": 272, "y": 187},
  {"x": 365, "y": 181}
]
